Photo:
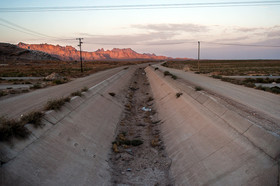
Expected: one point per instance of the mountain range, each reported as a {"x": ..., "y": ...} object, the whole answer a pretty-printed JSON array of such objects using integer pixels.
[
  {"x": 13, "y": 53},
  {"x": 69, "y": 53}
]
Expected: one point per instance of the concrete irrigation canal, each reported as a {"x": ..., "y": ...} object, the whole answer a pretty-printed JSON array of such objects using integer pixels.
[{"x": 140, "y": 127}]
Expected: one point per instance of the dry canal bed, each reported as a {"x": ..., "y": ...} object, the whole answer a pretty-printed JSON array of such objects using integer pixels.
[
  {"x": 138, "y": 153},
  {"x": 127, "y": 130}
]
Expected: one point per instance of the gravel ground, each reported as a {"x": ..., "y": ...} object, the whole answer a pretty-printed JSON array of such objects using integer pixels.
[{"x": 138, "y": 154}]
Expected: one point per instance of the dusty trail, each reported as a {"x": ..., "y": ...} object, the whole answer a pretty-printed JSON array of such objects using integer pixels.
[{"x": 132, "y": 162}]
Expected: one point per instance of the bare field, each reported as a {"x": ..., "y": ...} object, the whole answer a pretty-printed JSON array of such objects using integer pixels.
[
  {"x": 220, "y": 69},
  {"x": 67, "y": 71},
  {"x": 229, "y": 67}
]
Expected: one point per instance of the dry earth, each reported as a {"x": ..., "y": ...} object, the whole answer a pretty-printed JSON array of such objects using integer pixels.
[{"x": 134, "y": 163}]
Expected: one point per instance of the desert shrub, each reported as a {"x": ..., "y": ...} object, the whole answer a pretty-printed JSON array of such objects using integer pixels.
[
  {"x": 249, "y": 84},
  {"x": 156, "y": 68},
  {"x": 36, "y": 86},
  {"x": 197, "y": 88},
  {"x": 216, "y": 76},
  {"x": 55, "y": 104},
  {"x": 150, "y": 99},
  {"x": 135, "y": 142},
  {"x": 67, "y": 99},
  {"x": 33, "y": 118},
  {"x": 167, "y": 73},
  {"x": 164, "y": 64},
  {"x": 112, "y": 94},
  {"x": 77, "y": 93},
  {"x": 12, "y": 128},
  {"x": 178, "y": 94},
  {"x": 174, "y": 77},
  {"x": 263, "y": 88},
  {"x": 58, "y": 81},
  {"x": 84, "y": 89},
  {"x": 275, "y": 90},
  {"x": 2, "y": 93}
]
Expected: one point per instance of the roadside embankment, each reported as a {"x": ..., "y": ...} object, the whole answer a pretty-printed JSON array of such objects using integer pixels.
[
  {"x": 72, "y": 147},
  {"x": 209, "y": 143}
]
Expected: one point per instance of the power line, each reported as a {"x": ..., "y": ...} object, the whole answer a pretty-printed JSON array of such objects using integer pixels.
[
  {"x": 24, "y": 30},
  {"x": 18, "y": 30},
  {"x": 238, "y": 44},
  {"x": 143, "y": 6}
]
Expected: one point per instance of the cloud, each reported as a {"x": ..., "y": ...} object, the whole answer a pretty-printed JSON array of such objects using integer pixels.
[
  {"x": 274, "y": 31},
  {"x": 248, "y": 29},
  {"x": 269, "y": 42},
  {"x": 187, "y": 27},
  {"x": 136, "y": 39},
  {"x": 148, "y": 34},
  {"x": 182, "y": 35},
  {"x": 234, "y": 39}
]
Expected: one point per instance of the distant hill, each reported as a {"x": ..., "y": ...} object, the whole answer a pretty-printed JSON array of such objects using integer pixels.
[
  {"x": 69, "y": 53},
  {"x": 13, "y": 53}
]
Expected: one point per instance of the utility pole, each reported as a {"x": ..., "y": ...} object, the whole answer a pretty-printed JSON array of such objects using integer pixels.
[
  {"x": 80, "y": 45},
  {"x": 198, "y": 56}
]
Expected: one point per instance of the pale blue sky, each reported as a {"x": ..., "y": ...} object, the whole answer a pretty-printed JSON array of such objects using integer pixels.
[{"x": 170, "y": 32}]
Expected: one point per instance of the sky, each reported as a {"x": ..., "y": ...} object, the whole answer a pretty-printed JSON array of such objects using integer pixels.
[{"x": 249, "y": 32}]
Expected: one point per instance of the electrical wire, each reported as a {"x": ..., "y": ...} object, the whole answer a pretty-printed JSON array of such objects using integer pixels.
[
  {"x": 143, "y": 6},
  {"x": 238, "y": 44},
  {"x": 24, "y": 30},
  {"x": 18, "y": 30}
]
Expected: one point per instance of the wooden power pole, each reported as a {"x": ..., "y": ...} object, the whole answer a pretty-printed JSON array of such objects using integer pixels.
[
  {"x": 81, "y": 58},
  {"x": 198, "y": 56}
]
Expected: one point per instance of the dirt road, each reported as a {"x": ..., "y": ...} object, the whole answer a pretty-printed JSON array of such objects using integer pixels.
[
  {"x": 15, "y": 106},
  {"x": 260, "y": 101}
]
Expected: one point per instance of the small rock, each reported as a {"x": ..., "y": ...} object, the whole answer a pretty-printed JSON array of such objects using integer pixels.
[{"x": 53, "y": 76}]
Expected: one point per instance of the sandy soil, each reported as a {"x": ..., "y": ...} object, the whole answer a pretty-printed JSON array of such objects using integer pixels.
[{"x": 134, "y": 163}]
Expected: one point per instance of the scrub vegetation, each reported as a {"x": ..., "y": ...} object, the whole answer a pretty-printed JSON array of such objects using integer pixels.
[
  {"x": 221, "y": 69},
  {"x": 16, "y": 128}
]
